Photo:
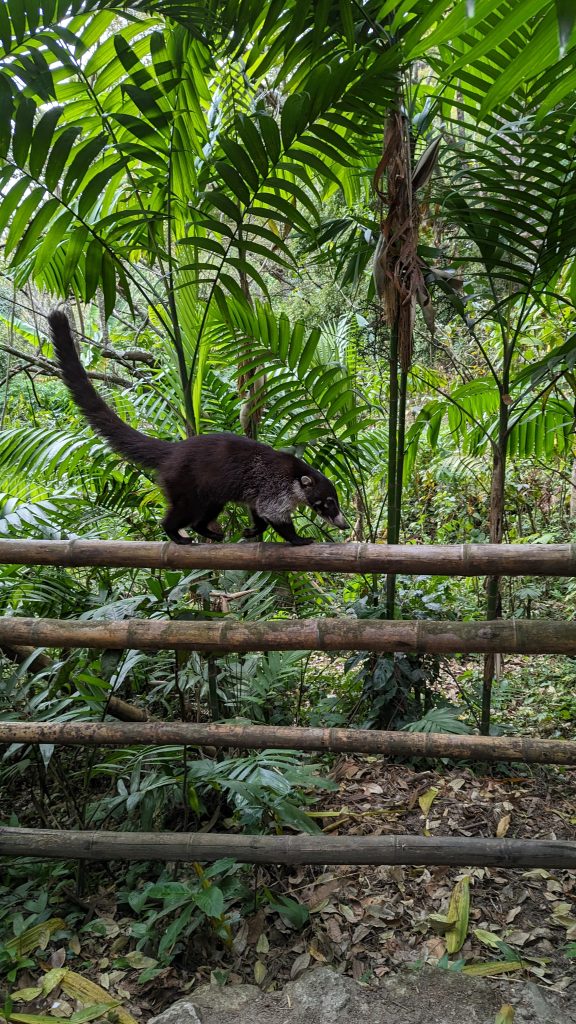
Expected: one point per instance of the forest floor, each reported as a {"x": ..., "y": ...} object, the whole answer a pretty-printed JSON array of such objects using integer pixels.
[{"x": 370, "y": 922}]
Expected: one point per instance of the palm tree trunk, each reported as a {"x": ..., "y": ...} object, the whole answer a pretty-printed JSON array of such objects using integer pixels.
[
  {"x": 392, "y": 489},
  {"x": 573, "y": 489},
  {"x": 494, "y": 601}
]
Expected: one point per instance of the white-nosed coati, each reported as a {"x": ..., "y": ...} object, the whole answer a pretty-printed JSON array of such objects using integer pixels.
[{"x": 201, "y": 474}]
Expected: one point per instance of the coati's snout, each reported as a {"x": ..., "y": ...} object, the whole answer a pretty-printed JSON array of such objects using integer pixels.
[{"x": 321, "y": 496}]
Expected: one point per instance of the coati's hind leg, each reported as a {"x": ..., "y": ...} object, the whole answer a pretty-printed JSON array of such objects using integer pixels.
[
  {"x": 206, "y": 523},
  {"x": 258, "y": 527},
  {"x": 202, "y": 521},
  {"x": 176, "y": 519}
]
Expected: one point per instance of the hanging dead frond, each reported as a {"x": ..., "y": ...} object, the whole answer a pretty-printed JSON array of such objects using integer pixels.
[{"x": 398, "y": 270}]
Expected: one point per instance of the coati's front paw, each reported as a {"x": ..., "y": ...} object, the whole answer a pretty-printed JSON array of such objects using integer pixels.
[{"x": 300, "y": 542}]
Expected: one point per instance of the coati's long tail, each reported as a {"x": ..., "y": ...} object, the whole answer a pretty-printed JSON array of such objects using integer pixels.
[{"x": 148, "y": 452}]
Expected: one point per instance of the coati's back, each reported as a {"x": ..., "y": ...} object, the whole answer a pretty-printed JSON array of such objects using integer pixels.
[{"x": 231, "y": 467}]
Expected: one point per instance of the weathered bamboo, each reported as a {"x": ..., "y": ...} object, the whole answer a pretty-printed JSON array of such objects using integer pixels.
[
  {"x": 507, "y": 636},
  {"x": 300, "y": 849},
  {"x": 358, "y": 741},
  {"x": 446, "y": 560}
]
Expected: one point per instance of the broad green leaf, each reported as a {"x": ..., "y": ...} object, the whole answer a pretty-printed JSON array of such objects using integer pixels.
[
  {"x": 23, "y": 130},
  {"x": 210, "y": 901},
  {"x": 59, "y": 155},
  {"x": 566, "y": 13},
  {"x": 36, "y": 226},
  {"x": 21, "y": 218},
  {"x": 42, "y": 139},
  {"x": 6, "y": 112},
  {"x": 83, "y": 159},
  {"x": 234, "y": 181}
]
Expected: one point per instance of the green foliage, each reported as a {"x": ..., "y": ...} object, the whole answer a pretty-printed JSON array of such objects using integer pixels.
[
  {"x": 261, "y": 788},
  {"x": 440, "y": 719},
  {"x": 195, "y": 179}
]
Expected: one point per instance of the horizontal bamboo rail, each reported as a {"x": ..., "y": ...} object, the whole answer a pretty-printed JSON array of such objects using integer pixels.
[
  {"x": 444, "y": 560},
  {"x": 300, "y": 849},
  {"x": 261, "y": 737},
  {"x": 505, "y": 636}
]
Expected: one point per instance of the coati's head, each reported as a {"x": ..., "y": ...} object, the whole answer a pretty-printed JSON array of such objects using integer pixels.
[{"x": 320, "y": 494}]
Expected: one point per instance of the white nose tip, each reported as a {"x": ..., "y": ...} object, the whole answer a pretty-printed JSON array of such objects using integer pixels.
[{"x": 340, "y": 522}]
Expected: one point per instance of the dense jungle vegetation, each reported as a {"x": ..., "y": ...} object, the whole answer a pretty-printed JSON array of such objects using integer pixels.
[{"x": 347, "y": 229}]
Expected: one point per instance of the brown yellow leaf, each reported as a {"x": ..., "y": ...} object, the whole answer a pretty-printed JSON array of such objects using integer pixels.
[
  {"x": 316, "y": 953},
  {"x": 33, "y": 938},
  {"x": 86, "y": 992},
  {"x": 505, "y": 1014},
  {"x": 487, "y": 938},
  {"x": 496, "y": 967},
  {"x": 441, "y": 922},
  {"x": 300, "y": 964},
  {"x": 427, "y": 799},
  {"x": 52, "y": 978},
  {"x": 459, "y": 908},
  {"x": 26, "y": 995},
  {"x": 260, "y": 972},
  {"x": 138, "y": 960},
  {"x": 503, "y": 826}
]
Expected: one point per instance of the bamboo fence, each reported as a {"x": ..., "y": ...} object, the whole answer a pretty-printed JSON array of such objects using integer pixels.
[
  {"x": 445, "y": 560},
  {"x": 261, "y": 737},
  {"x": 20, "y": 635},
  {"x": 505, "y": 636},
  {"x": 300, "y": 849}
]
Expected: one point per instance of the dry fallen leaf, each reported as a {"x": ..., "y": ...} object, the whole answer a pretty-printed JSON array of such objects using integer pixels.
[
  {"x": 487, "y": 938},
  {"x": 427, "y": 799},
  {"x": 260, "y": 972},
  {"x": 460, "y": 910},
  {"x": 503, "y": 826},
  {"x": 300, "y": 964}
]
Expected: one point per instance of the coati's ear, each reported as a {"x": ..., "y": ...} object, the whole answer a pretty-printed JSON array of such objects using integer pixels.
[{"x": 306, "y": 481}]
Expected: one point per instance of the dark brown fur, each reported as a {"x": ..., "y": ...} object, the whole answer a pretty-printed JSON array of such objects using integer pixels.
[{"x": 200, "y": 475}]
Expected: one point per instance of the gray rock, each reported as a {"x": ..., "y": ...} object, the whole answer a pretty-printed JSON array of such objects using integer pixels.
[
  {"x": 182, "y": 1012},
  {"x": 229, "y": 998},
  {"x": 322, "y": 996},
  {"x": 323, "y": 991}
]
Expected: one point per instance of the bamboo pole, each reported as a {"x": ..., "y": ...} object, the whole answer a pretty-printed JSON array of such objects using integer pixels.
[
  {"x": 507, "y": 636},
  {"x": 446, "y": 560},
  {"x": 299, "y": 849},
  {"x": 261, "y": 737}
]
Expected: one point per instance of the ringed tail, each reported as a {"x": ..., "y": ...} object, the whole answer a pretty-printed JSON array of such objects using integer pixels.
[{"x": 135, "y": 446}]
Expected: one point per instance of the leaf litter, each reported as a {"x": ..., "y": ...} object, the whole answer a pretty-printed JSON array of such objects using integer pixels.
[{"x": 365, "y": 921}]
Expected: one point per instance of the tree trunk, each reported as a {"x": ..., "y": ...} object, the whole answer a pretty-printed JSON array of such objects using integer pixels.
[
  {"x": 392, "y": 493},
  {"x": 573, "y": 489},
  {"x": 494, "y": 600}
]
